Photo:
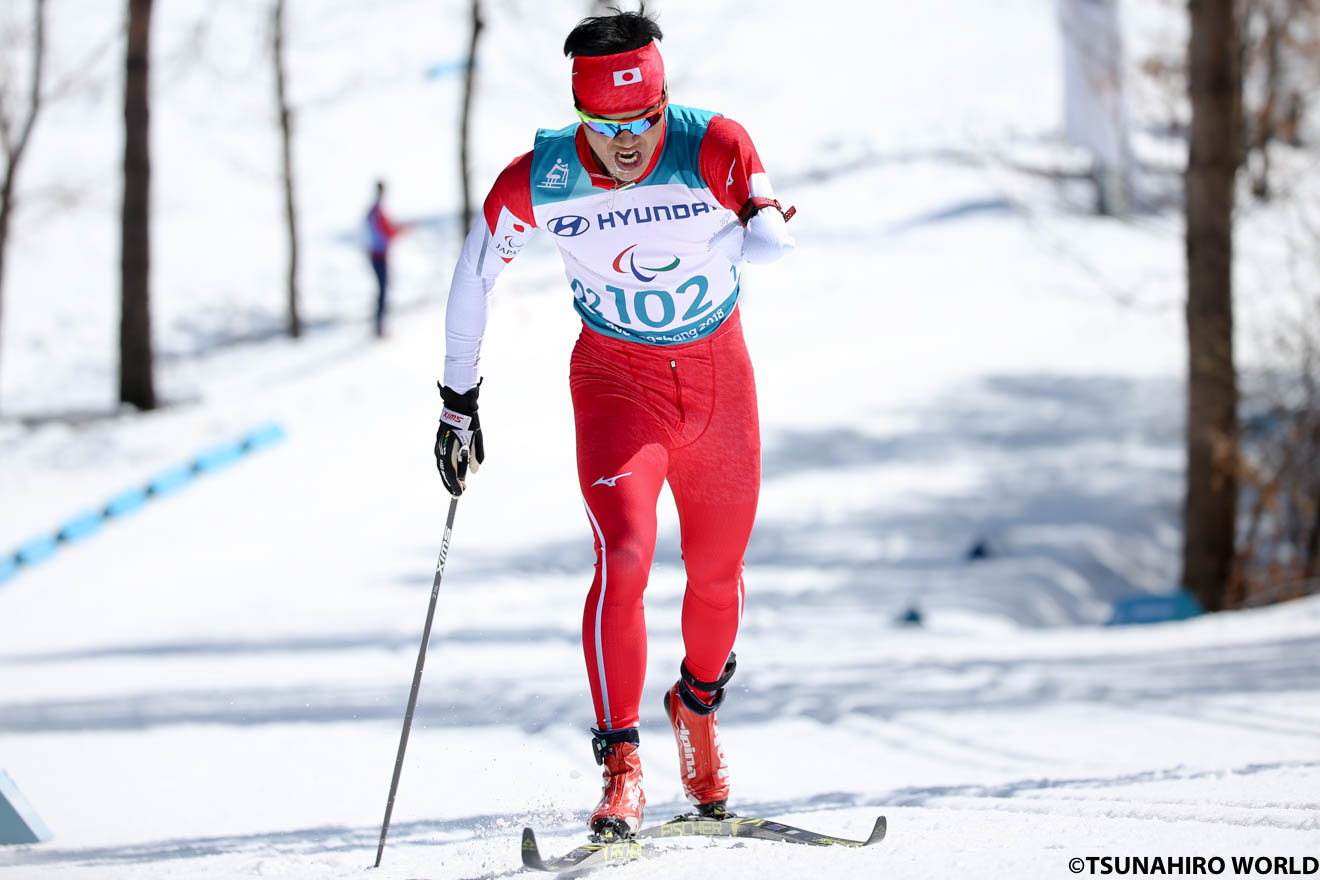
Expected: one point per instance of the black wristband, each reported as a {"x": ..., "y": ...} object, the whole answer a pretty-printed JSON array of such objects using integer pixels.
[{"x": 465, "y": 403}]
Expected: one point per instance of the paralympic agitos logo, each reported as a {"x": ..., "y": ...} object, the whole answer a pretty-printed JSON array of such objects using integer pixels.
[{"x": 638, "y": 270}]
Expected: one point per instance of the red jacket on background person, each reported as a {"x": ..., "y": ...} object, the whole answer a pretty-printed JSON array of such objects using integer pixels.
[{"x": 380, "y": 230}]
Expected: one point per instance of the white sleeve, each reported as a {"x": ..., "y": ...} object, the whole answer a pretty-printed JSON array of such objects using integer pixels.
[
  {"x": 766, "y": 238},
  {"x": 468, "y": 307}
]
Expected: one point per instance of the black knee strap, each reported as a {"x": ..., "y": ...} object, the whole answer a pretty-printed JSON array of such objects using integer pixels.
[
  {"x": 603, "y": 742},
  {"x": 690, "y": 682}
]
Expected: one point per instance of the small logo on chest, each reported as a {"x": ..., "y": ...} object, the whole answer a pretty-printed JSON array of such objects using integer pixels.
[
  {"x": 557, "y": 178},
  {"x": 569, "y": 225}
]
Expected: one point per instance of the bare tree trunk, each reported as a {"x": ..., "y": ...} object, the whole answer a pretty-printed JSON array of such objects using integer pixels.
[
  {"x": 136, "y": 385},
  {"x": 286, "y": 144},
  {"x": 15, "y": 146},
  {"x": 1312, "y": 548},
  {"x": 1210, "y": 510},
  {"x": 1265, "y": 126},
  {"x": 468, "y": 84},
  {"x": 6, "y": 206}
]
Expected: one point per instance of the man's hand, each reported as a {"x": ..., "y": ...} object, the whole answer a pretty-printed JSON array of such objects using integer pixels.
[{"x": 458, "y": 442}]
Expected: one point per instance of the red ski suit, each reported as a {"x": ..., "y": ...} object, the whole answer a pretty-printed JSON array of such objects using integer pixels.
[
  {"x": 661, "y": 382},
  {"x": 686, "y": 413}
]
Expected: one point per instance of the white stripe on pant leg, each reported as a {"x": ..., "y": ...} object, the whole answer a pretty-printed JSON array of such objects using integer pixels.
[
  {"x": 600, "y": 606},
  {"x": 741, "y": 592}
]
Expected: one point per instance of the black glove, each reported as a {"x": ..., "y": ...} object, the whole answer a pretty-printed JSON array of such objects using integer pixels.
[{"x": 458, "y": 443}]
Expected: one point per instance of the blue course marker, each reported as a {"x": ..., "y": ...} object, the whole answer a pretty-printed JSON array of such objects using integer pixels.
[
  {"x": 81, "y": 525},
  {"x": 442, "y": 69},
  {"x": 166, "y": 482},
  {"x": 36, "y": 550},
  {"x": 217, "y": 457},
  {"x": 170, "y": 480},
  {"x": 126, "y": 502},
  {"x": 263, "y": 436}
]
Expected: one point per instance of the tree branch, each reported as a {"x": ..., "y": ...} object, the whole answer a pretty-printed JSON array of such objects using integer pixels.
[{"x": 34, "y": 99}]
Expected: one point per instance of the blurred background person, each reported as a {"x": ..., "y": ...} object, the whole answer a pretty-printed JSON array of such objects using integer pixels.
[{"x": 380, "y": 231}]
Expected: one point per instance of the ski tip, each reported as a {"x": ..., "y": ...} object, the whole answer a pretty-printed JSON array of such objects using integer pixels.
[
  {"x": 531, "y": 854},
  {"x": 878, "y": 831}
]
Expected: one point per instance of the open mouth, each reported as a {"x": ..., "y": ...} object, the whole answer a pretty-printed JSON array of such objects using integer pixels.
[{"x": 628, "y": 160}]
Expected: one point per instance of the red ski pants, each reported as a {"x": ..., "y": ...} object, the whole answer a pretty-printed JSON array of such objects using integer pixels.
[{"x": 683, "y": 413}]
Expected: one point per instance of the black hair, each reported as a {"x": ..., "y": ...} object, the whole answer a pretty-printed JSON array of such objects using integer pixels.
[{"x": 611, "y": 34}]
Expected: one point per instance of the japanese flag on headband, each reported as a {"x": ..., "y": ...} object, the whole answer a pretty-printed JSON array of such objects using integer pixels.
[{"x": 611, "y": 85}]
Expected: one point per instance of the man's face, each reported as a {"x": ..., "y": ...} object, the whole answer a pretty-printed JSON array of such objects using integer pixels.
[{"x": 626, "y": 155}]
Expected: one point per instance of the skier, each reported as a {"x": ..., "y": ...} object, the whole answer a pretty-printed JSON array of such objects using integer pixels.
[
  {"x": 654, "y": 208},
  {"x": 380, "y": 231}
]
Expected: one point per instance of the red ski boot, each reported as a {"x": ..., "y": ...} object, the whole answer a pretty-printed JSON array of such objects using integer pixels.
[
  {"x": 700, "y": 757},
  {"x": 619, "y": 813}
]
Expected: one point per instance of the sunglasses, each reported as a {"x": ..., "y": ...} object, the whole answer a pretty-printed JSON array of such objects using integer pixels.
[{"x": 639, "y": 125}]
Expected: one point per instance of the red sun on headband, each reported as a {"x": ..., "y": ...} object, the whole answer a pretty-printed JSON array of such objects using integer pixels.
[{"x": 612, "y": 85}]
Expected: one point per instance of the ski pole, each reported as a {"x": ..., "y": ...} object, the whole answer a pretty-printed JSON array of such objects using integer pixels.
[{"x": 417, "y": 678}]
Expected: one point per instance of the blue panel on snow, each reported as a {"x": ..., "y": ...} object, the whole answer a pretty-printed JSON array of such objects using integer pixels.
[
  {"x": 264, "y": 435},
  {"x": 126, "y": 502},
  {"x": 171, "y": 480},
  {"x": 1155, "y": 609},
  {"x": 19, "y": 823},
  {"x": 8, "y": 568},
  {"x": 217, "y": 457},
  {"x": 81, "y": 526},
  {"x": 37, "y": 549},
  {"x": 441, "y": 69}
]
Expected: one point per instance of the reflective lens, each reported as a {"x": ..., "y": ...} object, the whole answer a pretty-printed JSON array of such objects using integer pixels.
[{"x": 611, "y": 127}]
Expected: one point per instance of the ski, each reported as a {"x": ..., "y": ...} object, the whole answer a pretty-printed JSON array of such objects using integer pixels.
[
  {"x": 760, "y": 829},
  {"x": 595, "y": 855},
  {"x": 583, "y": 858}
]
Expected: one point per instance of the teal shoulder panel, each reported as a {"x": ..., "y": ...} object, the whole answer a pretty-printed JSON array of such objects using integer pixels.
[
  {"x": 557, "y": 175},
  {"x": 678, "y": 162}
]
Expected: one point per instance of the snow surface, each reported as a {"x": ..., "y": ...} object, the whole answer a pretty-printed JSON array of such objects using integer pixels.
[{"x": 957, "y": 354}]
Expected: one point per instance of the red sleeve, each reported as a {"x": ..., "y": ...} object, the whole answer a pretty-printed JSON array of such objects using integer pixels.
[
  {"x": 512, "y": 190},
  {"x": 727, "y": 162},
  {"x": 387, "y": 227},
  {"x": 508, "y": 209}
]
